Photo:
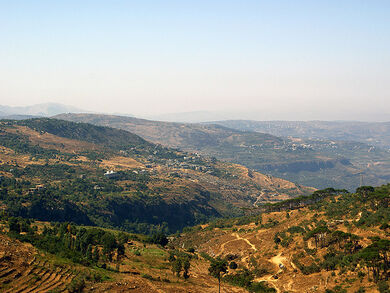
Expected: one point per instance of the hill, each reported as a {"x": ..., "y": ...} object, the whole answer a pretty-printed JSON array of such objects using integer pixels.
[
  {"x": 331, "y": 241},
  {"x": 311, "y": 162},
  {"x": 372, "y": 133},
  {"x": 53, "y": 170}
]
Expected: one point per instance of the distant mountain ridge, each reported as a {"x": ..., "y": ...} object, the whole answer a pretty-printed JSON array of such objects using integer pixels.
[
  {"x": 373, "y": 133},
  {"x": 191, "y": 117},
  {"x": 45, "y": 110}
]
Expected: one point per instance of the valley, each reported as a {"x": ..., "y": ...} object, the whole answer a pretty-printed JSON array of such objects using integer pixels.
[
  {"x": 54, "y": 170},
  {"x": 313, "y": 162},
  {"x": 88, "y": 208}
]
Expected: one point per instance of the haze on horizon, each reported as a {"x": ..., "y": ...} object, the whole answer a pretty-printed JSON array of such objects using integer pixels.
[{"x": 275, "y": 60}]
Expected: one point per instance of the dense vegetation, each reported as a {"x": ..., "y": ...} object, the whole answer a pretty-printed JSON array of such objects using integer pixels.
[
  {"x": 81, "y": 245},
  {"x": 105, "y": 206},
  {"x": 68, "y": 189}
]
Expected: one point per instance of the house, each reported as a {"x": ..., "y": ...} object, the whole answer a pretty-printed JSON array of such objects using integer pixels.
[
  {"x": 36, "y": 189},
  {"x": 111, "y": 174}
]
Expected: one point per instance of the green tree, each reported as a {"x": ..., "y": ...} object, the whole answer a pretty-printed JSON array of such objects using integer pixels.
[
  {"x": 233, "y": 265},
  {"x": 177, "y": 266},
  {"x": 96, "y": 254},
  {"x": 89, "y": 252},
  {"x": 186, "y": 268},
  {"x": 217, "y": 268},
  {"x": 364, "y": 191},
  {"x": 14, "y": 225}
]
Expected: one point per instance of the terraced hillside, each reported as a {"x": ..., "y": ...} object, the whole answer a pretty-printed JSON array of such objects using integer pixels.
[
  {"x": 314, "y": 162},
  {"x": 23, "y": 270},
  {"x": 142, "y": 267}
]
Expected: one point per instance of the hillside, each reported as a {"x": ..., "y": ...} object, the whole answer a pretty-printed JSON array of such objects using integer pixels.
[
  {"x": 24, "y": 269},
  {"x": 53, "y": 170},
  {"x": 311, "y": 162},
  {"x": 330, "y": 241},
  {"x": 112, "y": 261},
  {"x": 372, "y": 133}
]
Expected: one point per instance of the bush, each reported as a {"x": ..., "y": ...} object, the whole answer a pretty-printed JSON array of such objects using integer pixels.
[
  {"x": 147, "y": 276},
  {"x": 296, "y": 229},
  {"x": 77, "y": 285},
  {"x": 159, "y": 238},
  {"x": 191, "y": 250},
  {"x": 383, "y": 287}
]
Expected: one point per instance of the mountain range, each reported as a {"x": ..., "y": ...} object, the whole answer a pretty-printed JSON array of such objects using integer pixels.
[
  {"x": 46, "y": 109},
  {"x": 87, "y": 208},
  {"x": 372, "y": 133},
  {"x": 149, "y": 186},
  {"x": 313, "y": 162}
]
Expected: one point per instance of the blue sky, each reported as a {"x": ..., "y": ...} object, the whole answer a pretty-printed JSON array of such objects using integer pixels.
[{"x": 153, "y": 57}]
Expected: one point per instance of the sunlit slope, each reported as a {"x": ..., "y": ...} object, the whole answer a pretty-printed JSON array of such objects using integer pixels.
[
  {"x": 308, "y": 161},
  {"x": 330, "y": 241},
  {"x": 54, "y": 170}
]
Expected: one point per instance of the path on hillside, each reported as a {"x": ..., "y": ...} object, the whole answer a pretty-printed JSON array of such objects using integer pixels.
[
  {"x": 238, "y": 237},
  {"x": 245, "y": 239},
  {"x": 277, "y": 260},
  {"x": 258, "y": 198}
]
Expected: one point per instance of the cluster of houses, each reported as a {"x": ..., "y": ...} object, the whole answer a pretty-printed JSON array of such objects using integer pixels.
[
  {"x": 111, "y": 174},
  {"x": 302, "y": 146}
]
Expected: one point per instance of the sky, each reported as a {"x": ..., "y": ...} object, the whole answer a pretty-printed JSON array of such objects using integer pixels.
[{"x": 295, "y": 60}]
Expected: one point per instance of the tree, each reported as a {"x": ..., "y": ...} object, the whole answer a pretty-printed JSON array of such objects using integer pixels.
[
  {"x": 109, "y": 244},
  {"x": 186, "y": 268},
  {"x": 160, "y": 239},
  {"x": 277, "y": 240},
  {"x": 177, "y": 267},
  {"x": 171, "y": 257},
  {"x": 96, "y": 254},
  {"x": 89, "y": 252},
  {"x": 233, "y": 265},
  {"x": 364, "y": 191},
  {"x": 218, "y": 267},
  {"x": 319, "y": 234},
  {"x": 14, "y": 225}
]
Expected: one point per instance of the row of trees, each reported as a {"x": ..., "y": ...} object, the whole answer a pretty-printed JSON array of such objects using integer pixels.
[{"x": 82, "y": 245}]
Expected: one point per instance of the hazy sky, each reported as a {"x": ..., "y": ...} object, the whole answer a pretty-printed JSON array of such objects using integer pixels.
[{"x": 302, "y": 58}]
